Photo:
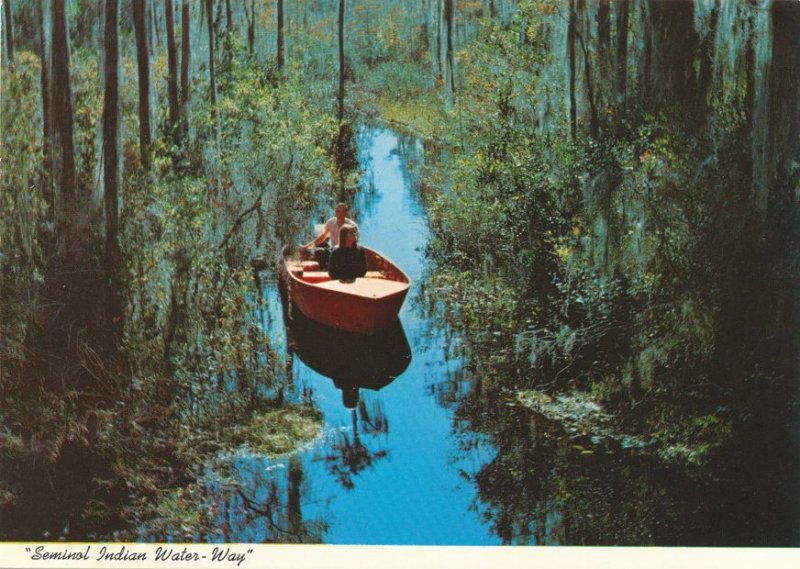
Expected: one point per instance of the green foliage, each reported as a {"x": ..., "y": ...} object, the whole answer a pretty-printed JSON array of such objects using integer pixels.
[
  {"x": 635, "y": 266},
  {"x": 193, "y": 512},
  {"x": 23, "y": 209},
  {"x": 277, "y": 432},
  {"x": 191, "y": 354},
  {"x": 184, "y": 514}
]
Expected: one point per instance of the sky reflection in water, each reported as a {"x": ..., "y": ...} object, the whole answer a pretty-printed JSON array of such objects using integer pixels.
[{"x": 390, "y": 471}]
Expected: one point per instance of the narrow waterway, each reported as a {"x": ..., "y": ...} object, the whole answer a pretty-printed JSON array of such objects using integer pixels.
[
  {"x": 410, "y": 461},
  {"x": 391, "y": 470}
]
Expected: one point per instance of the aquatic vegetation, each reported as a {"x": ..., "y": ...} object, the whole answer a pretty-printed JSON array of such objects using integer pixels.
[
  {"x": 611, "y": 194},
  {"x": 127, "y": 394},
  {"x": 275, "y": 433}
]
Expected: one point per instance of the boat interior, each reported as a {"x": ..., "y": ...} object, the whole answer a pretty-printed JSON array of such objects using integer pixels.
[{"x": 310, "y": 272}]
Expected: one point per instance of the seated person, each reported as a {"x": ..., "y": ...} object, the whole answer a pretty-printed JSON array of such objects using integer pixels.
[
  {"x": 318, "y": 247},
  {"x": 348, "y": 260}
]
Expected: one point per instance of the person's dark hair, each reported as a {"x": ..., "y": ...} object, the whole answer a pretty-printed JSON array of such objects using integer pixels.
[{"x": 348, "y": 229}]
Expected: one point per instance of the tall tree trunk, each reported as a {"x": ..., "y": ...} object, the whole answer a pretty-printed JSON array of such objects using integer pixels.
[
  {"x": 61, "y": 113},
  {"x": 448, "y": 16},
  {"x": 47, "y": 179},
  {"x": 492, "y": 9},
  {"x": 280, "y": 34},
  {"x": 604, "y": 26},
  {"x": 186, "y": 51},
  {"x": 218, "y": 19},
  {"x": 113, "y": 258},
  {"x": 143, "y": 67},
  {"x": 571, "y": 29},
  {"x": 423, "y": 28},
  {"x": 154, "y": 19},
  {"x": 781, "y": 120},
  {"x": 603, "y": 61},
  {"x": 438, "y": 43},
  {"x": 211, "y": 70},
  {"x": 647, "y": 50},
  {"x": 340, "y": 95},
  {"x": 250, "y": 17},
  {"x": 151, "y": 32},
  {"x": 622, "y": 48},
  {"x": 226, "y": 54},
  {"x": 587, "y": 73},
  {"x": 172, "y": 66},
  {"x": 9, "y": 32},
  {"x": 671, "y": 45},
  {"x": 340, "y": 138},
  {"x": 294, "y": 516}
]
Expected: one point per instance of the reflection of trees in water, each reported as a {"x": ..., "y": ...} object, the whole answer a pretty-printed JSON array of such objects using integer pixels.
[
  {"x": 448, "y": 392},
  {"x": 544, "y": 487},
  {"x": 373, "y": 421},
  {"x": 542, "y": 484},
  {"x": 364, "y": 201},
  {"x": 75, "y": 495},
  {"x": 436, "y": 327},
  {"x": 261, "y": 505},
  {"x": 411, "y": 152},
  {"x": 349, "y": 453}
]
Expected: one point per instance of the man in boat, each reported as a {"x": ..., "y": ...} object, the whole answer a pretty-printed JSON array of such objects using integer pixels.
[
  {"x": 348, "y": 261},
  {"x": 319, "y": 248}
]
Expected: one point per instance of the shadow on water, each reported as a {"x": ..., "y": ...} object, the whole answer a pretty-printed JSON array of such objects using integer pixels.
[
  {"x": 260, "y": 501},
  {"x": 60, "y": 501},
  {"x": 547, "y": 485},
  {"x": 464, "y": 463},
  {"x": 352, "y": 361}
]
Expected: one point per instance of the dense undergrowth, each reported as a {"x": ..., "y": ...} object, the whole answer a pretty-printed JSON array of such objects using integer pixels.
[
  {"x": 640, "y": 266},
  {"x": 103, "y": 428},
  {"x": 626, "y": 271},
  {"x": 625, "y": 276}
]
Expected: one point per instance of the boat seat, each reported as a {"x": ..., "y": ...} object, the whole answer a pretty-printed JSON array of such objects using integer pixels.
[
  {"x": 374, "y": 275},
  {"x": 367, "y": 288},
  {"x": 315, "y": 276},
  {"x": 310, "y": 266}
]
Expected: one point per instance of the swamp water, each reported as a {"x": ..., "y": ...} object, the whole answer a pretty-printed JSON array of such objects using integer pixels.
[
  {"x": 390, "y": 470},
  {"x": 424, "y": 458},
  {"x": 428, "y": 457}
]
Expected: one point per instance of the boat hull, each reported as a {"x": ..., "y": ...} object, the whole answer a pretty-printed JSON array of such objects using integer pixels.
[
  {"x": 351, "y": 360},
  {"x": 363, "y": 306}
]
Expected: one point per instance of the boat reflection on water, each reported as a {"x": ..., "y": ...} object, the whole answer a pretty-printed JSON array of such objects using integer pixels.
[{"x": 352, "y": 361}]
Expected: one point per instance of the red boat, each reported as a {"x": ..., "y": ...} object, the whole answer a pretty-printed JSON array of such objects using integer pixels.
[{"x": 363, "y": 306}]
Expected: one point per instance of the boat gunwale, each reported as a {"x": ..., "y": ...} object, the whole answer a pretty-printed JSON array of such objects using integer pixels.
[
  {"x": 284, "y": 263},
  {"x": 305, "y": 295}
]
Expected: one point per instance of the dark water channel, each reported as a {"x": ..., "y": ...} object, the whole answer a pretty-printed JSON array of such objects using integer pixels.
[
  {"x": 425, "y": 458},
  {"x": 428, "y": 457},
  {"x": 390, "y": 470}
]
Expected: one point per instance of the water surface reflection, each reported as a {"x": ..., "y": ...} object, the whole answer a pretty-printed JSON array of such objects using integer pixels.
[
  {"x": 431, "y": 452},
  {"x": 387, "y": 468},
  {"x": 352, "y": 361}
]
